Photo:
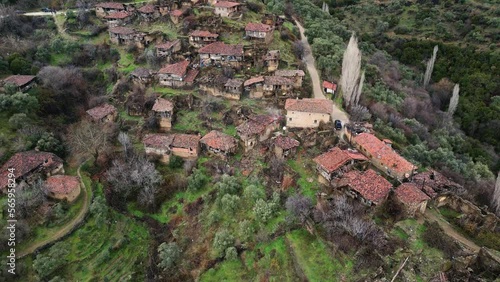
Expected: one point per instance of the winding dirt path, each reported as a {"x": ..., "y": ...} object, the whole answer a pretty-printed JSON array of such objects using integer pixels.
[
  {"x": 68, "y": 227},
  {"x": 308, "y": 59}
]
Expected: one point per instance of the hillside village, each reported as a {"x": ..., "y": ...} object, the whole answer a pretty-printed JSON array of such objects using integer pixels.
[{"x": 212, "y": 106}]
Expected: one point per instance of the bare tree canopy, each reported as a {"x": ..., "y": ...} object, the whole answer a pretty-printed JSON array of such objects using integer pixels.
[
  {"x": 454, "y": 100},
  {"x": 430, "y": 67},
  {"x": 351, "y": 68},
  {"x": 496, "y": 196},
  {"x": 88, "y": 139}
]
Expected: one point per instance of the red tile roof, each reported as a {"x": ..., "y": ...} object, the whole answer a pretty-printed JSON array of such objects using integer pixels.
[
  {"x": 286, "y": 143},
  {"x": 409, "y": 193},
  {"x": 158, "y": 141},
  {"x": 253, "y": 80},
  {"x": 191, "y": 75},
  {"x": 110, "y": 5},
  {"x": 369, "y": 184},
  {"x": 121, "y": 30},
  {"x": 218, "y": 140},
  {"x": 163, "y": 105},
  {"x": 256, "y": 124},
  {"x": 186, "y": 140},
  {"x": 226, "y": 4},
  {"x": 385, "y": 154},
  {"x": 26, "y": 162},
  {"x": 309, "y": 105},
  {"x": 147, "y": 9},
  {"x": 178, "y": 68},
  {"x": 118, "y": 15},
  {"x": 222, "y": 49},
  {"x": 62, "y": 184},
  {"x": 329, "y": 85},
  {"x": 203, "y": 33},
  {"x": 176, "y": 13},
  {"x": 336, "y": 158},
  {"x": 278, "y": 80},
  {"x": 259, "y": 27},
  {"x": 101, "y": 111},
  {"x": 167, "y": 45},
  {"x": 288, "y": 73},
  {"x": 19, "y": 80}
]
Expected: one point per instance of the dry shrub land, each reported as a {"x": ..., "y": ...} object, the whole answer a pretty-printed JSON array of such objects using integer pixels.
[{"x": 167, "y": 207}]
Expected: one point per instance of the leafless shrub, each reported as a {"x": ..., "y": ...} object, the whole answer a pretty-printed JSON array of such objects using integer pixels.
[{"x": 360, "y": 113}]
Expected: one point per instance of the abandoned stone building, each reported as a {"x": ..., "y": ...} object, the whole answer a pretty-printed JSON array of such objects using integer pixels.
[
  {"x": 221, "y": 54},
  {"x": 164, "y": 111},
  {"x": 162, "y": 146},
  {"x": 177, "y": 75},
  {"x": 149, "y": 12},
  {"x": 142, "y": 76},
  {"x": 105, "y": 8},
  {"x": 308, "y": 112},
  {"x": 158, "y": 146},
  {"x": 176, "y": 16},
  {"x": 272, "y": 60},
  {"x": 186, "y": 145},
  {"x": 127, "y": 36},
  {"x": 254, "y": 87},
  {"x": 168, "y": 48},
  {"x": 256, "y": 129},
  {"x": 21, "y": 82},
  {"x": 219, "y": 143},
  {"x": 234, "y": 87},
  {"x": 200, "y": 38},
  {"x": 334, "y": 163},
  {"x": 259, "y": 31},
  {"x": 277, "y": 85},
  {"x": 226, "y": 8},
  {"x": 103, "y": 113},
  {"x": 368, "y": 186},
  {"x": 62, "y": 187},
  {"x": 296, "y": 75},
  {"x": 118, "y": 18},
  {"x": 412, "y": 198},
  {"x": 285, "y": 146}
]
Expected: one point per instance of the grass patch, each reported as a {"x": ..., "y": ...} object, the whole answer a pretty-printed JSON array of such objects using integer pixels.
[
  {"x": 189, "y": 121},
  {"x": 308, "y": 187},
  {"x": 232, "y": 270},
  {"x": 285, "y": 48}
]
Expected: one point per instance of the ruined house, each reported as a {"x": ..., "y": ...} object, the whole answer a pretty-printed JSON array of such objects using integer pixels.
[
  {"x": 103, "y": 113},
  {"x": 256, "y": 129},
  {"x": 285, "y": 146},
  {"x": 329, "y": 87},
  {"x": 219, "y": 143},
  {"x": 233, "y": 88},
  {"x": 200, "y": 38},
  {"x": 21, "y": 82},
  {"x": 158, "y": 146},
  {"x": 226, "y": 8},
  {"x": 436, "y": 182},
  {"x": 63, "y": 187},
  {"x": 259, "y": 31},
  {"x": 118, "y": 18},
  {"x": 382, "y": 156},
  {"x": 255, "y": 87},
  {"x": 164, "y": 111},
  {"x": 221, "y": 54},
  {"x": 142, "y": 76},
  {"x": 296, "y": 75},
  {"x": 106, "y": 8},
  {"x": 168, "y": 48},
  {"x": 177, "y": 75},
  {"x": 182, "y": 145},
  {"x": 127, "y": 36},
  {"x": 308, "y": 112},
  {"x": 176, "y": 16},
  {"x": 369, "y": 187},
  {"x": 149, "y": 12},
  {"x": 412, "y": 198},
  {"x": 334, "y": 163},
  {"x": 272, "y": 60},
  {"x": 28, "y": 165},
  {"x": 277, "y": 85}
]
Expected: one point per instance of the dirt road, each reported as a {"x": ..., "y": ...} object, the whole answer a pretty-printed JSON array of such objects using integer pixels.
[
  {"x": 67, "y": 228},
  {"x": 313, "y": 72}
]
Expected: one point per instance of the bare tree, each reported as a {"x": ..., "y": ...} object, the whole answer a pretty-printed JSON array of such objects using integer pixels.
[
  {"x": 359, "y": 89},
  {"x": 351, "y": 68},
  {"x": 298, "y": 49},
  {"x": 454, "y": 100},
  {"x": 360, "y": 113},
  {"x": 300, "y": 207},
  {"x": 88, "y": 139},
  {"x": 430, "y": 67},
  {"x": 496, "y": 196}
]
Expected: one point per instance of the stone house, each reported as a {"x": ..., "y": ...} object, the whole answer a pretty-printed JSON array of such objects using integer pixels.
[
  {"x": 63, "y": 187},
  {"x": 142, "y": 76},
  {"x": 433, "y": 181},
  {"x": 285, "y": 146},
  {"x": 329, "y": 87},
  {"x": 127, "y": 36},
  {"x": 272, "y": 60},
  {"x": 200, "y": 38},
  {"x": 149, "y": 12},
  {"x": 215, "y": 85},
  {"x": 28, "y": 165},
  {"x": 186, "y": 146},
  {"x": 221, "y": 54},
  {"x": 382, "y": 156},
  {"x": 168, "y": 48},
  {"x": 234, "y": 87},
  {"x": 368, "y": 186},
  {"x": 106, "y": 8},
  {"x": 103, "y": 113},
  {"x": 308, "y": 112},
  {"x": 177, "y": 75},
  {"x": 183, "y": 145},
  {"x": 412, "y": 198},
  {"x": 277, "y": 85},
  {"x": 255, "y": 87},
  {"x": 176, "y": 16},
  {"x": 164, "y": 111},
  {"x": 334, "y": 163},
  {"x": 158, "y": 146},
  {"x": 226, "y": 8},
  {"x": 118, "y": 18},
  {"x": 259, "y": 31},
  {"x": 219, "y": 143},
  {"x": 22, "y": 82},
  {"x": 256, "y": 129},
  {"x": 296, "y": 75}
]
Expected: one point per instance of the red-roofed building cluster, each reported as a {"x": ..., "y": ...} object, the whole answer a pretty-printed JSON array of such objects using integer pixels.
[{"x": 336, "y": 162}]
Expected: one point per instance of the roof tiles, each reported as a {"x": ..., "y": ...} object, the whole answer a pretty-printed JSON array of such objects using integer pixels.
[
  {"x": 409, "y": 193},
  {"x": 309, "y": 105},
  {"x": 62, "y": 184},
  {"x": 178, "y": 68},
  {"x": 336, "y": 158},
  {"x": 222, "y": 49},
  {"x": 369, "y": 185},
  {"x": 218, "y": 140}
]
